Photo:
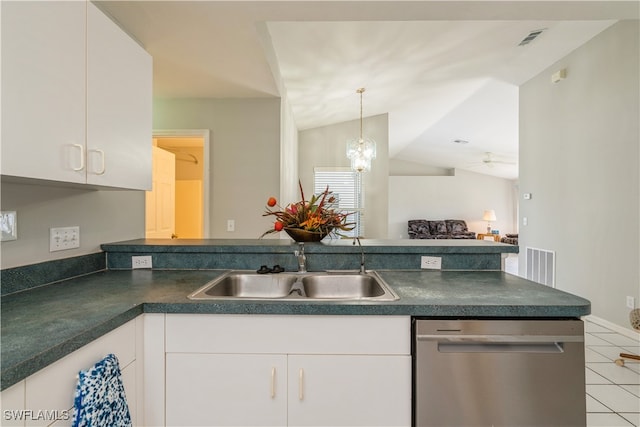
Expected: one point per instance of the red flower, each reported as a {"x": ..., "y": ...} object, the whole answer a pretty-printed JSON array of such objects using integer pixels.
[{"x": 311, "y": 215}]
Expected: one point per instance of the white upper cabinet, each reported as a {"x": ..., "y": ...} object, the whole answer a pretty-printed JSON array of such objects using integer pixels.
[
  {"x": 43, "y": 90},
  {"x": 76, "y": 97},
  {"x": 119, "y": 94}
]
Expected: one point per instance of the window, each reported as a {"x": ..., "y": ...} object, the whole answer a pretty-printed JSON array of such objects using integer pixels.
[{"x": 346, "y": 186}]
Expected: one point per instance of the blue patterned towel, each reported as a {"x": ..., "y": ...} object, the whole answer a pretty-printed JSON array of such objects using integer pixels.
[{"x": 100, "y": 400}]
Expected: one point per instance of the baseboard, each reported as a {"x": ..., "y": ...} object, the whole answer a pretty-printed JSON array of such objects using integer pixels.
[{"x": 609, "y": 325}]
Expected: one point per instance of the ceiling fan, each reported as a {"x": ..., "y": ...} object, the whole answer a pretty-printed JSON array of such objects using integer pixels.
[{"x": 489, "y": 160}]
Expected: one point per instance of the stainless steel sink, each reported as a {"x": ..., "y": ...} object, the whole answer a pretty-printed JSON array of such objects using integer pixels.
[
  {"x": 311, "y": 286},
  {"x": 342, "y": 286},
  {"x": 251, "y": 286}
]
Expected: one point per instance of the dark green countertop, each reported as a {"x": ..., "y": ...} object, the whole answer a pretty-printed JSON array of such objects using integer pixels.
[
  {"x": 404, "y": 246},
  {"x": 44, "y": 324},
  {"x": 337, "y": 254}
]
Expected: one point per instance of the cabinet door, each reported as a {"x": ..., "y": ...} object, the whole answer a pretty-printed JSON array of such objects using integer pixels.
[
  {"x": 53, "y": 388},
  {"x": 43, "y": 89},
  {"x": 119, "y": 96},
  {"x": 12, "y": 405},
  {"x": 226, "y": 390},
  {"x": 344, "y": 390}
]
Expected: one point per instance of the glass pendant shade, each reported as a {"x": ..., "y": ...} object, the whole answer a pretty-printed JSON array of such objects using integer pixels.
[{"x": 362, "y": 150}]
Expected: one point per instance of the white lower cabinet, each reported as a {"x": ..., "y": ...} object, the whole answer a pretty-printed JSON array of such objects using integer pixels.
[
  {"x": 12, "y": 405},
  {"x": 46, "y": 397},
  {"x": 349, "y": 390},
  {"x": 287, "y": 370},
  {"x": 294, "y": 390},
  {"x": 226, "y": 390},
  {"x": 238, "y": 370}
]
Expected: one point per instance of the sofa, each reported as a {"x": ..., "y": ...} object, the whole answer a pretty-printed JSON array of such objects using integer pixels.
[
  {"x": 511, "y": 239},
  {"x": 439, "y": 229}
]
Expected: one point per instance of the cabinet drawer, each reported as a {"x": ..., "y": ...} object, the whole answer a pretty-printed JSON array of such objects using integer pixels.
[{"x": 202, "y": 333}]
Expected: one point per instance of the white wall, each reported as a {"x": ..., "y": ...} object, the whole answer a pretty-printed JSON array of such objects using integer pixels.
[
  {"x": 579, "y": 157},
  {"x": 399, "y": 167},
  {"x": 464, "y": 195},
  {"x": 244, "y": 156},
  {"x": 103, "y": 216},
  {"x": 326, "y": 147},
  {"x": 288, "y": 155}
]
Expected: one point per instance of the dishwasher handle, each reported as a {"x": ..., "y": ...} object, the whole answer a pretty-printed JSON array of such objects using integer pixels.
[
  {"x": 456, "y": 338},
  {"x": 491, "y": 347},
  {"x": 500, "y": 343}
]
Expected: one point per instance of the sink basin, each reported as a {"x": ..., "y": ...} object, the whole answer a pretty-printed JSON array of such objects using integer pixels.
[
  {"x": 342, "y": 286},
  {"x": 312, "y": 286},
  {"x": 251, "y": 286}
]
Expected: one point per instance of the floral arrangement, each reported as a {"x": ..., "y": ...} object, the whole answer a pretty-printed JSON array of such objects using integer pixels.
[{"x": 310, "y": 215}]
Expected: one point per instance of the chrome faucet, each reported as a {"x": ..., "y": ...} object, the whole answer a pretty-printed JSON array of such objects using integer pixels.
[
  {"x": 302, "y": 259},
  {"x": 362, "y": 269}
]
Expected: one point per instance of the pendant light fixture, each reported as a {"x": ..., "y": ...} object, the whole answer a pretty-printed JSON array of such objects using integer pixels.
[{"x": 362, "y": 150}]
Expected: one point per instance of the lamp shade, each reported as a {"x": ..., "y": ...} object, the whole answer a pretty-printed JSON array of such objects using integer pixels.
[{"x": 489, "y": 215}]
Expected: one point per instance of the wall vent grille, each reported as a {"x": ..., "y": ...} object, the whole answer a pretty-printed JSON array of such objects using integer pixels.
[{"x": 541, "y": 266}]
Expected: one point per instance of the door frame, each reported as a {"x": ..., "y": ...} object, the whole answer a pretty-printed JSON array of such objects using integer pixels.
[{"x": 205, "y": 135}]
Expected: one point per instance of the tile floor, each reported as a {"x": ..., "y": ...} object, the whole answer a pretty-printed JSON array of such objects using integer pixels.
[{"x": 613, "y": 392}]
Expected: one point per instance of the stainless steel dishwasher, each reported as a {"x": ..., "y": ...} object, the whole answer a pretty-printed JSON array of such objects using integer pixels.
[{"x": 499, "y": 373}]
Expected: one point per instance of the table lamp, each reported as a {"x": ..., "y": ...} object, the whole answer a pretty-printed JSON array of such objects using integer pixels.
[{"x": 489, "y": 215}]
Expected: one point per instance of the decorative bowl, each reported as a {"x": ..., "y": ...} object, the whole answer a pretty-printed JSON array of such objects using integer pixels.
[{"x": 300, "y": 235}]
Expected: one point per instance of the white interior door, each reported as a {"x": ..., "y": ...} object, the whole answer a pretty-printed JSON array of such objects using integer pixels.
[{"x": 160, "y": 207}]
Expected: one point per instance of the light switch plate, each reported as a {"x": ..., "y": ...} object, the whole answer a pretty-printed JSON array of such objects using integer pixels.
[
  {"x": 63, "y": 238},
  {"x": 9, "y": 225}
]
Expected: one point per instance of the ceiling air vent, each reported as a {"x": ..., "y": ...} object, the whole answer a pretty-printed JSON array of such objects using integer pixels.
[{"x": 531, "y": 37}]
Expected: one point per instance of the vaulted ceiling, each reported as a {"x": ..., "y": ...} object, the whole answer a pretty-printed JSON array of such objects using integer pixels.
[{"x": 442, "y": 70}]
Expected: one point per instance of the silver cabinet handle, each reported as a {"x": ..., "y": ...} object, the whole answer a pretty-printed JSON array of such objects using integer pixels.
[
  {"x": 81, "y": 148},
  {"x": 301, "y": 384},
  {"x": 102, "y": 163},
  {"x": 273, "y": 382}
]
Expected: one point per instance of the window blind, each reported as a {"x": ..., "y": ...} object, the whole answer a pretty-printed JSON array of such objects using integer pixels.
[{"x": 346, "y": 186}]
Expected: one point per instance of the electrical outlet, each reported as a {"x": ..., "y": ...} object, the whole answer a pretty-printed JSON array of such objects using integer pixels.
[
  {"x": 143, "y": 261},
  {"x": 231, "y": 225},
  {"x": 631, "y": 302},
  {"x": 431, "y": 262},
  {"x": 63, "y": 238}
]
